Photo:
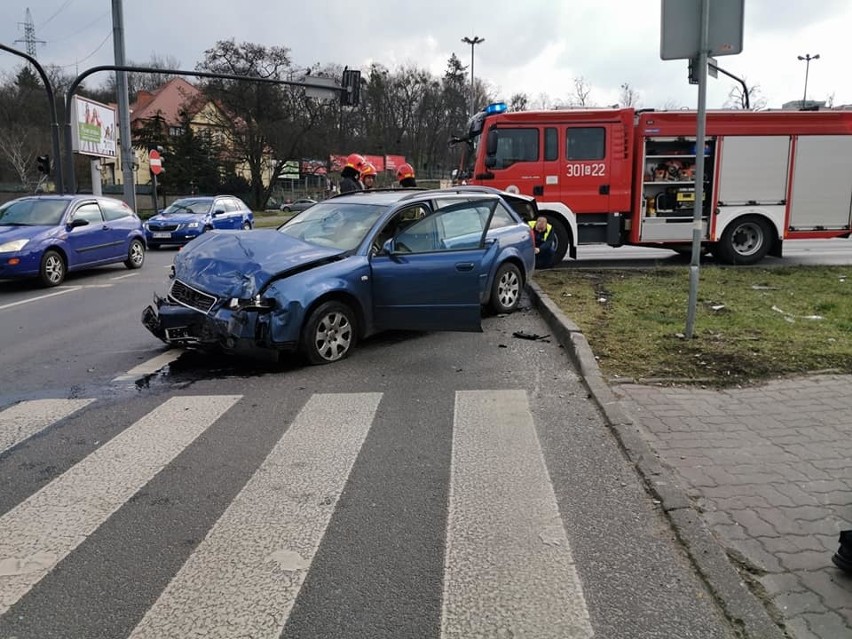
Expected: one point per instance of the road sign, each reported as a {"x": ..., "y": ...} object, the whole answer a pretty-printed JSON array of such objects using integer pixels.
[
  {"x": 681, "y": 26},
  {"x": 155, "y": 161}
]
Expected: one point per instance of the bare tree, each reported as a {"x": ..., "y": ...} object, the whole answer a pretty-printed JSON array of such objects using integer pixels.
[
  {"x": 739, "y": 99},
  {"x": 543, "y": 102},
  {"x": 628, "y": 97},
  {"x": 672, "y": 105},
  {"x": 16, "y": 151},
  {"x": 582, "y": 92},
  {"x": 519, "y": 102}
]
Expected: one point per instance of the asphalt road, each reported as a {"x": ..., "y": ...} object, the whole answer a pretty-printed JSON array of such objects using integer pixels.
[{"x": 432, "y": 485}]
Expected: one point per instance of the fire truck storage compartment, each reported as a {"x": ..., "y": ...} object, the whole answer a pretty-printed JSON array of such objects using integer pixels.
[
  {"x": 668, "y": 188},
  {"x": 753, "y": 170},
  {"x": 822, "y": 183}
]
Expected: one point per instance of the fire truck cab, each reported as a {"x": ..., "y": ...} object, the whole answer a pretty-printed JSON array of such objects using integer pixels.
[{"x": 620, "y": 176}]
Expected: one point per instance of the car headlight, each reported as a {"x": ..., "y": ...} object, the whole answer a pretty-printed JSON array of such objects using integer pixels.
[
  {"x": 193, "y": 225},
  {"x": 14, "y": 245},
  {"x": 256, "y": 303},
  {"x": 145, "y": 226}
]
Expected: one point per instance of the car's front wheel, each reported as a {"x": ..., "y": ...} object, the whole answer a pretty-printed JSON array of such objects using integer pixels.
[
  {"x": 506, "y": 288},
  {"x": 329, "y": 334},
  {"x": 135, "y": 255},
  {"x": 53, "y": 268},
  {"x": 247, "y": 226}
]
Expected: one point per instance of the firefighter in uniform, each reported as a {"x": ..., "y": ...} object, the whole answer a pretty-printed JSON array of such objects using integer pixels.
[
  {"x": 405, "y": 175},
  {"x": 545, "y": 249},
  {"x": 368, "y": 176},
  {"x": 349, "y": 176}
]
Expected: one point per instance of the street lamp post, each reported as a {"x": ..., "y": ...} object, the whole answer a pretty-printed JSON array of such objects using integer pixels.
[
  {"x": 472, "y": 42},
  {"x": 807, "y": 58}
]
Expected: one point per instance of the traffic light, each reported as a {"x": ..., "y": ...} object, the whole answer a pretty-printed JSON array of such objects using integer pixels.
[
  {"x": 43, "y": 163},
  {"x": 351, "y": 85}
]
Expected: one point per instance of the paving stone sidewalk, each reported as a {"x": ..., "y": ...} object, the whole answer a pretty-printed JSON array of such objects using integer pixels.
[{"x": 770, "y": 469}]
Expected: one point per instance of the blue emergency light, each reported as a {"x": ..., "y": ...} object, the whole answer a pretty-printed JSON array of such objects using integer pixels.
[{"x": 496, "y": 107}]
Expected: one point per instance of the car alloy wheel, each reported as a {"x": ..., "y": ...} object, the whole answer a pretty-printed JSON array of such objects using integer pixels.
[
  {"x": 506, "y": 293},
  {"x": 135, "y": 255},
  {"x": 52, "y": 269},
  {"x": 329, "y": 333}
]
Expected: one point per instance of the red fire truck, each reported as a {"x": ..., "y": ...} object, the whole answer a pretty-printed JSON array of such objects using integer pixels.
[{"x": 621, "y": 176}]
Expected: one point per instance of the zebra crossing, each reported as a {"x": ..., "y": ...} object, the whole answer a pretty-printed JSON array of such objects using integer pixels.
[{"x": 508, "y": 566}]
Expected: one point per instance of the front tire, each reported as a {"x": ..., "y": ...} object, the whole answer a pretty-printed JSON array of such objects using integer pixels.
[
  {"x": 506, "y": 288},
  {"x": 562, "y": 242},
  {"x": 247, "y": 226},
  {"x": 745, "y": 241},
  {"x": 135, "y": 255},
  {"x": 53, "y": 268},
  {"x": 329, "y": 334}
]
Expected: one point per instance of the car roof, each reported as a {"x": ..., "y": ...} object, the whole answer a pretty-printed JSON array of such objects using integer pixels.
[{"x": 394, "y": 195}]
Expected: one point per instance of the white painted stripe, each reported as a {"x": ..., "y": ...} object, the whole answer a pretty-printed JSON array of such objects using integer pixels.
[
  {"x": 41, "y": 297},
  {"x": 124, "y": 277},
  {"x": 41, "y": 531},
  {"x": 21, "y": 421},
  {"x": 508, "y": 566},
  {"x": 243, "y": 579},
  {"x": 151, "y": 366}
]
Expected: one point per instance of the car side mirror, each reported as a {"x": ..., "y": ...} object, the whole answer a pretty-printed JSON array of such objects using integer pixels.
[
  {"x": 73, "y": 224},
  {"x": 490, "y": 162},
  {"x": 491, "y": 142},
  {"x": 218, "y": 212},
  {"x": 388, "y": 247}
]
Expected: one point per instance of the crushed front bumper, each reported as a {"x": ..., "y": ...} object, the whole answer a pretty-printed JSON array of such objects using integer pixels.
[{"x": 230, "y": 330}]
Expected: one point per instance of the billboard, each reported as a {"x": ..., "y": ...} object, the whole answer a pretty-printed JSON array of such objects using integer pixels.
[{"x": 94, "y": 129}]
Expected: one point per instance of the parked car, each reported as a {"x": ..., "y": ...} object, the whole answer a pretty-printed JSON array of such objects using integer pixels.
[
  {"x": 187, "y": 218},
  {"x": 46, "y": 236},
  {"x": 348, "y": 267},
  {"x": 298, "y": 205}
]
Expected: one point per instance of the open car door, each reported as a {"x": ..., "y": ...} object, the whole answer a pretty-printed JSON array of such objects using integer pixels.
[{"x": 429, "y": 276}]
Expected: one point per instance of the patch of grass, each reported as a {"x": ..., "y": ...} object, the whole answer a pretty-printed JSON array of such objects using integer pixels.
[
  {"x": 270, "y": 220},
  {"x": 751, "y": 324}
]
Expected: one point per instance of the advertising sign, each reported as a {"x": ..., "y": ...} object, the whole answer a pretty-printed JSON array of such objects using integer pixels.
[{"x": 94, "y": 128}]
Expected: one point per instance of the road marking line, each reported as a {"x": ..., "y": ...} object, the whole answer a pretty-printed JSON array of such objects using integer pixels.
[
  {"x": 41, "y": 297},
  {"x": 243, "y": 579},
  {"x": 22, "y": 421},
  {"x": 508, "y": 566},
  {"x": 151, "y": 366},
  {"x": 40, "y": 532},
  {"x": 124, "y": 277}
]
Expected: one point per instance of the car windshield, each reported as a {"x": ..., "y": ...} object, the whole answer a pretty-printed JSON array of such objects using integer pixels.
[
  {"x": 342, "y": 225},
  {"x": 32, "y": 212},
  {"x": 187, "y": 206}
]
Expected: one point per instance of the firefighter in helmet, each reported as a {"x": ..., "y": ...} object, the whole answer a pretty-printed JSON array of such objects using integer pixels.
[
  {"x": 368, "y": 176},
  {"x": 405, "y": 175},
  {"x": 349, "y": 176},
  {"x": 545, "y": 242}
]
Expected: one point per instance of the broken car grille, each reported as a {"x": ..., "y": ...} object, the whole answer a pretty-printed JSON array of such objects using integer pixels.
[{"x": 190, "y": 297}]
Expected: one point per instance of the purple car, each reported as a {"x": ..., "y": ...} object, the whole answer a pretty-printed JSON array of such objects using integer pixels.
[{"x": 46, "y": 236}]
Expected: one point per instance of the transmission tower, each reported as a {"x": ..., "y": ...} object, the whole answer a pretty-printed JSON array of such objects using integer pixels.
[{"x": 29, "y": 34}]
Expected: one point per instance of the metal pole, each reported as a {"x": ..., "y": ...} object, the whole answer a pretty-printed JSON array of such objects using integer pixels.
[
  {"x": 123, "y": 105},
  {"x": 472, "y": 42},
  {"x": 54, "y": 119},
  {"x": 698, "y": 208}
]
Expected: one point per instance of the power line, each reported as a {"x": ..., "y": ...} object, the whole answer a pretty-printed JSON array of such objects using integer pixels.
[
  {"x": 103, "y": 42},
  {"x": 55, "y": 13},
  {"x": 80, "y": 30}
]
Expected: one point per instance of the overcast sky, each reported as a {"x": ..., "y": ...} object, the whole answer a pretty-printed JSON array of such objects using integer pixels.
[{"x": 531, "y": 46}]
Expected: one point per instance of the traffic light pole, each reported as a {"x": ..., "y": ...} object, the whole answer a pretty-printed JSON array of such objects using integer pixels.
[{"x": 54, "y": 120}]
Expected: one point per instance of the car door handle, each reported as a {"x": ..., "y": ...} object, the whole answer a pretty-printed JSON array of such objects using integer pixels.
[{"x": 464, "y": 266}]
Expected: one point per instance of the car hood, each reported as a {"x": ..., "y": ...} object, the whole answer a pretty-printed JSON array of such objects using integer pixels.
[
  {"x": 176, "y": 218},
  {"x": 241, "y": 263},
  {"x": 12, "y": 233}
]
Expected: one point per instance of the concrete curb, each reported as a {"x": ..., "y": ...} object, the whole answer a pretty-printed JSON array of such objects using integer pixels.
[{"x": 745, "y": 611}]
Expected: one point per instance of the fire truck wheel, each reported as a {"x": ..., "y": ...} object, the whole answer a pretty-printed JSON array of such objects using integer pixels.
[
  {"x": 562, "y": 241},
  {"x": 745, "y": 241}
]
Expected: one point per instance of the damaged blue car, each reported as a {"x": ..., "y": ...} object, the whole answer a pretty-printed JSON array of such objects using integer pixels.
[{"x": 349, "y": 267}]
